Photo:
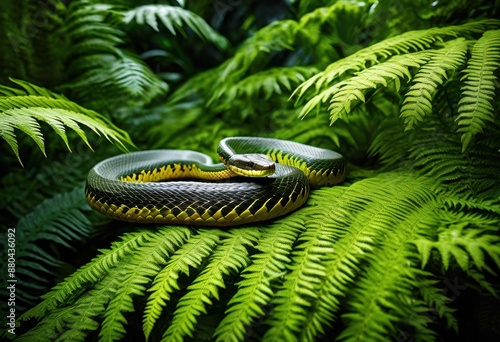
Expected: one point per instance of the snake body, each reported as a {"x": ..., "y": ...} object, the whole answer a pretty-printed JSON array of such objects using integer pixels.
[{"x": 184, "y": 187}]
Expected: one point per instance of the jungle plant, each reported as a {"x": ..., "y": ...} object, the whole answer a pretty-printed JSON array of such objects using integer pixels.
[{"x": 395, "y": 252}]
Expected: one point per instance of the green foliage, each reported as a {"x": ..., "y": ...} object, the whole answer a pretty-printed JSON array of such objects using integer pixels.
[
  {"x": 60, "y": 220},
  {"x": 431, "y": 72},
  {"x": 174, "y": 18},
  {"x": 384, "y": 256},
  {"x": 476, "y": 107},
  {"x": 354, "y": 251},
  {"x": 23, "y": 109}
]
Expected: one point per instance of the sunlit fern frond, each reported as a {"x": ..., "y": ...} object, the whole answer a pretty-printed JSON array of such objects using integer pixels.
[
  {"x": 255, "y": 289},
  {"x": 346, "y": 94},
  {"x": 476, "y": 105},
  {"x": 401, "y": 44},
  {"x": 428, "y": 68},
  {"x": 23, "y": 109},
  {"x": 175, "y": 18},
  {"x": 441, "y": 66},
  {"x": 190, "y": 256},
  {"x": 230, "y": 257}
]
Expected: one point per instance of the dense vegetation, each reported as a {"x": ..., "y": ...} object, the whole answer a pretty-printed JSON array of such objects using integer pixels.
[{"x": 407, "y": 248}]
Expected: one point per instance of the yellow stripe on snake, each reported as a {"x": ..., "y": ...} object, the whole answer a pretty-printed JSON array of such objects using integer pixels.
[{"x": 259, "y": 179}]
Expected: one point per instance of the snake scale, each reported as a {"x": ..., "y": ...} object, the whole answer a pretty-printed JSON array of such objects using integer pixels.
[{"x": 258, "y": 179}]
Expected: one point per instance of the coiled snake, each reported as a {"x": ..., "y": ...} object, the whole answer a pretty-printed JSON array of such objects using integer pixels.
[{"x": 184, "y": 187}]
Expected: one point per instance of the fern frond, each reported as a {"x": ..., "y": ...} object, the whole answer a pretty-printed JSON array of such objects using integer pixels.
[
  {"x": 264, "y": 84},
  {"x": 300, "y": 288},
  {"x": 59, "y": 219},
  {"x": 101, "y": 74},
  {"x": 401, "y": 44},
  {"x": 347, "y": 93},
  {"x": 86, "y": 29},
  {"x": 471, "y": 173},
  {"x": 255, "y": 290},
  {"x": 442, "y": 64},
  {"x": 476, "y": 105},
  {"x": 135, "y": 277},
  {"x": 390, "y": 267},
  {"x": 190, "y": 255},
  {"x": 123, "y": 79},
  {"x": 277, "y": 36},
  {"x": 91, "y": 273},
  {"x": 68, "y": 324},
  {"x": 174, "y": 18},
  {"x": 23, "y": 111},
  {"x": 463, "y": 238},
  {"x": 229, "y": 257}
]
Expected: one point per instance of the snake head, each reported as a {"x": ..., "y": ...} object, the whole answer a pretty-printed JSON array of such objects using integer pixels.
[{"x": 251, "y": 165}]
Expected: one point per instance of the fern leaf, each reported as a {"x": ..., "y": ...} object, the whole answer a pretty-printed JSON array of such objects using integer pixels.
[
  {"x": 291, "y": 303},
  {"x": 174, "y": 18},
  {"x": 67, "y": 324},
  {"x": 476, "y": 105},
  {"x": 190, "y": 255},
  {"x": 461, "y": 239},
  {"x": 230, "y": 256},
  {"x": 465, "y": 172},
  {"x": 344, "y": 94},
  {"x": 277, "y": 36},
  {"x": 91, "y": 273},
  {"x": 59, "y": 219},
  {"x": 435, "y": 72},
  {"x": 264, "y": 84},
  {"x": 255, "y": 291},
  {"x": 134, "y": 279},
  {"x": 401, "y": 44},
  {"x": 23, "y": 111},
  {"x": 86, "y": 27},
  {"x": 374, "y": 308},
  {"x": 119, "y": 79}
]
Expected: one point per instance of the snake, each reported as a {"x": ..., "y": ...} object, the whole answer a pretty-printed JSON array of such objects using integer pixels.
[{"x": 258, "y": 179}]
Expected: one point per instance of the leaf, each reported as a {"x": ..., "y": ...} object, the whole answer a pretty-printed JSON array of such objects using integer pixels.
[
  {"x": 475, "y": 108},
  {"x": 38, "y": 104},
  {"x": 174, "y": 18}
]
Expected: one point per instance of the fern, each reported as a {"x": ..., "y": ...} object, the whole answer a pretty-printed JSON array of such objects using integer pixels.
[
  {"x": 475, "y": 106},
  {"x": 418, "y": 99},
  {"x": 366, "y": 260},
  {"x": 174, "y": 18},
  {"x": 431, "y": 68},
  {"x": 96, "y": 60},
  {"x": 354, "y": 252},
  {"x": 264, "y": 84},
  {"x": 133, "y": 280},
  {"x": 257, "y": 49},
  {"x": 228, "y": 258},
  {"x": 74, "y": 325},
  {"x": 117, "y": 77},
  {"x": 23, "y": 109},
  {"x": 401, "y": 44},
  {"x": 255, "y": 290},
  {"x": 190, "y": 255},
  {"x": 62, "y": 221},
  {"x": 346, "y": 93}
]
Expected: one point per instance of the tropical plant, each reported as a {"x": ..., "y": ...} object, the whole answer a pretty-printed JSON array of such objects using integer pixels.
[{"x": 396, "y": 252}]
